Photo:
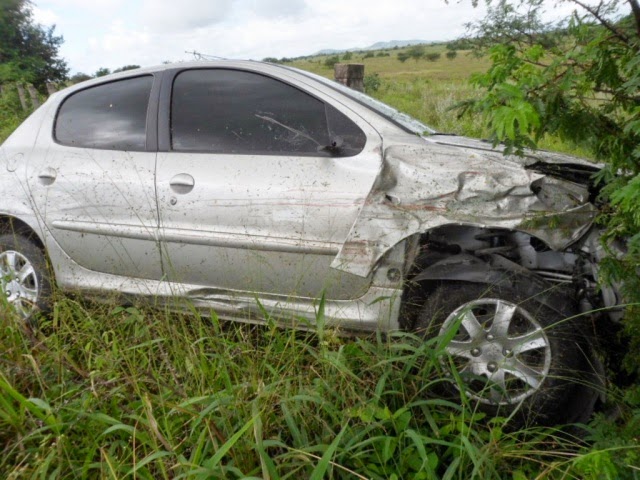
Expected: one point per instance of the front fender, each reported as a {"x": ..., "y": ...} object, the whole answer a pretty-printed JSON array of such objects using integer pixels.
[
  {"x": 499, "y": 271},
  {"x": 422, "y": 186}
]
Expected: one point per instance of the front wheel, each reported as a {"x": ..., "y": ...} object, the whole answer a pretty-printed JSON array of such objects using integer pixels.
[
  {"x": 24, "y": 276},
  {"x": 515, "y": 354}
]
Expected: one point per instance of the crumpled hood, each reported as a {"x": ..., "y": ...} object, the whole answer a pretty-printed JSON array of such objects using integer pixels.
[
  {"x": 425, "y": 185},
  {"x": 529, "y": 158}
]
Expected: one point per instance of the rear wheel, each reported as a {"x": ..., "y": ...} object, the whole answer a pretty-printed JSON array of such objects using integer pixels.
[
  {"x": 24, "y": 276},
  {"x": 515, "y": 354}
]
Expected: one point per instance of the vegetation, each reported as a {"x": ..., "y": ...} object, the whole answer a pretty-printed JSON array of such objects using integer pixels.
[
  {"x": 331, "y": 61},
  {"x": 11, "y": 113},
  {"x": 578, "y": 80},
  {"x": 28, "y": 52},
  {"x": 113, "y": 392},
  {"x": 372, "y": 83}
]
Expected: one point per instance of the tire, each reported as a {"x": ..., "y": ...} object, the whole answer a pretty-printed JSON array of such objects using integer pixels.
[
  {"x": 515, "y": 354},
  {"x": 25, "y": 280}
]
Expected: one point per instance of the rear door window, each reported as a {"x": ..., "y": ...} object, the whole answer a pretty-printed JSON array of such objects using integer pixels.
[{"x": 110, "y": 116}]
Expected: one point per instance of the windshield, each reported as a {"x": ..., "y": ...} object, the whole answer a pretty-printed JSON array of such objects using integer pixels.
[{"x": 401, "y": 119}]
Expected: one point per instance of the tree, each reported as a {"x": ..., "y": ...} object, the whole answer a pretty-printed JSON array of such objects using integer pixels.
[
  {"x": 28, "y": 51},
  {"x": 416, "y": 52},
  {"x": 79, "y": 77},
  {"x": 403, "y": 56},
  {"x": 578, "y": 79},
  {"x": 125, "y": 68},
  {"x": 102, "y": 71}
]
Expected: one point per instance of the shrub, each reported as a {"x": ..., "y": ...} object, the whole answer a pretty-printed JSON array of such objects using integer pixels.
[
  {"x": 331, "y": 61},
  {"x": 372, "y": 82}
]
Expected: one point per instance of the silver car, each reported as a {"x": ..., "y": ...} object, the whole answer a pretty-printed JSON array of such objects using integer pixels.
[{"x": 220, "y": 184}]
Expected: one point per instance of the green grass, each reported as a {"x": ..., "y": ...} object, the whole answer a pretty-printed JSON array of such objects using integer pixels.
[{"x": 102, "y": 391}]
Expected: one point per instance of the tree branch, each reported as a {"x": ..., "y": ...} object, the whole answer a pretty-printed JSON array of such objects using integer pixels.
[
  {"x": 603, "y": 21},
  {"x": 635, "y": 8}
]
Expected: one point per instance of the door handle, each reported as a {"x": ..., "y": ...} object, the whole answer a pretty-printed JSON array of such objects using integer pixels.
[
  {"x": 182, "y": 183},
  {"x": 47, "y": 176}
]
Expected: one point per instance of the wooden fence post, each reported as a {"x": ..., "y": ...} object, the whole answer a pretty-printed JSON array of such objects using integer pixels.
[
  {"x": 35, "y": 103},
  {"x": 23, "y": 99},
  {"x": 350, "y": 74}
]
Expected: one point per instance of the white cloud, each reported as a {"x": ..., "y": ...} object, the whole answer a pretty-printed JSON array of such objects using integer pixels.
[
  {"x": 104, "y": 8},
  {"x": 170, "y": 16},
  {"x": 45, "y": 16},
  {"x": 274, "y": 8}
]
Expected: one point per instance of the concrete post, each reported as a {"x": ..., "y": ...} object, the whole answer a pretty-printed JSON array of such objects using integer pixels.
[
  {"x": 350, "y": 74},
  {"x": 23, "y": 99},
  {"x": 35, "y": 103},
  {"x": 51, "y": 88}
]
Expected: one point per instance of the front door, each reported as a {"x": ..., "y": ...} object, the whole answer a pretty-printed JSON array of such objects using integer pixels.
[{"x": 258, "y": 193}]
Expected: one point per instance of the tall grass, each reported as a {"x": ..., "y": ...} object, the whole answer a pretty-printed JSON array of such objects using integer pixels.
[
  {"x": 11, "y": 113},
  {"x": 114, "y": 392}
]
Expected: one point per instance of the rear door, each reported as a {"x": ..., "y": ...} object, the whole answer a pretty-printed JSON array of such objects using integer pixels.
[
  {"x": 92, "y": 177},
  {"x": 260, "y": 183}
]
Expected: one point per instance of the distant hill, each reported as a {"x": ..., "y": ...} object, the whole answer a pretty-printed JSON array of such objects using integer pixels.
[{"x": 375, "y": 46}]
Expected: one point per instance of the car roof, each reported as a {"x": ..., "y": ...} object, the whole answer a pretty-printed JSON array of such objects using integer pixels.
[{"x": 195, "y": 64}]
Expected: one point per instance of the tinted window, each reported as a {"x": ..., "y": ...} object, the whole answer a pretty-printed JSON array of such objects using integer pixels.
[
  {"x": 110, "y": 116},
  {"x": 229, "y": 111}
]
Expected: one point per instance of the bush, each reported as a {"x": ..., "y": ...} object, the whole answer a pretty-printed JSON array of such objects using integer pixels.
[
  {"x": 451, "y": 54},
  {"x": 433, "y": 57},
  {"x": 416, "y": 52},
  {"x": 331, "y": 61},
  {"x": 372, "y": 83}
]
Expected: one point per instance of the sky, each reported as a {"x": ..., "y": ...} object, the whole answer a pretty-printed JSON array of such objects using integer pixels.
[{"x": 114, "y": 33}]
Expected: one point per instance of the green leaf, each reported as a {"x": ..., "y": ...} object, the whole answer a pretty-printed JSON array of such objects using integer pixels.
[{"x": 322, "y": 467}]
